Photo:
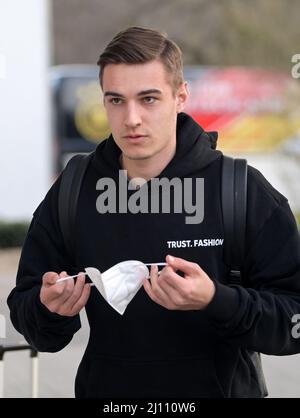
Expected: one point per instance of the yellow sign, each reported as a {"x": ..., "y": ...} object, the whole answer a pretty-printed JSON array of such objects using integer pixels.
[{"x": 90, "y": 116}]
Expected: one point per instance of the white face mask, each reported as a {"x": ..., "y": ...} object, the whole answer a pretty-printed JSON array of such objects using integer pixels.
[{"x": 119, "y": 284}]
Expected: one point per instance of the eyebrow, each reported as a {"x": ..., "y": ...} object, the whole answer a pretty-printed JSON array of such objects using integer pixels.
[{"x": 141, "y": 93}]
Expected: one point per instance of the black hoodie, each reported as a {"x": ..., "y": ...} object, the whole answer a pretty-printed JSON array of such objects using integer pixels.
[{"x": 151, "y": 351}]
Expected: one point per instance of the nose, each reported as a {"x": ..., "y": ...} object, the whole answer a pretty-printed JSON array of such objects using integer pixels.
[{"x": 132, "y": 116}]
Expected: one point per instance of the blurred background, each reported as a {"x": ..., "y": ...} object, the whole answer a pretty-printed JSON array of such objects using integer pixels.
[{"x": 242, "y": 63}]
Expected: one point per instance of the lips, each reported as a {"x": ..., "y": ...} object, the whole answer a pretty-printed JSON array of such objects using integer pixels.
[{"x": 135, "y": 138}]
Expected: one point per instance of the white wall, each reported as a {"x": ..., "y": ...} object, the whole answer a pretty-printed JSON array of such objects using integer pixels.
[
  {"x": 24, "y": 107},
  {"x": 282, "y": 171}
]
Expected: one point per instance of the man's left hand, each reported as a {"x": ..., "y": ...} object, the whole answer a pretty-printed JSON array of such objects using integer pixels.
[{"x": 193, "y": 292}]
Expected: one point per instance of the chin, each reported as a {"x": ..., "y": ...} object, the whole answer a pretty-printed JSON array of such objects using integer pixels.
[{"x": 138, "y": 157}]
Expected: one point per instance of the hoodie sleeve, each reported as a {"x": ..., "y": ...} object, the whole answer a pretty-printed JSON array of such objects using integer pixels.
[
  {"x": 43, "y": 251},
  {"x": 260, "y": 314}
]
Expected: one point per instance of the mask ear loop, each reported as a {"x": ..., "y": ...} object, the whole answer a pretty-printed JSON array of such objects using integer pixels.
[
  {"x": 92, "y": 284},
  {"x": 72, "y": 277},
  {"x": 155, "y": 264},
  {"x": 69, "y": 277}
]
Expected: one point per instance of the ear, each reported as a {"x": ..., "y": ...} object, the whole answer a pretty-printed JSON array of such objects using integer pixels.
[{"x": 182, "y": 96}]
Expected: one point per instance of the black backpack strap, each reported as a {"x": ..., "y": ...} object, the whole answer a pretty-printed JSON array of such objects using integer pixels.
[
  {"x": 71, "y": 180},
  {"x": 234, "y": 208}
]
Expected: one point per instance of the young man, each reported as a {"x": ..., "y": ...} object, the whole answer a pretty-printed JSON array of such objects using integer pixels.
[{"x": 186, "y": 333}]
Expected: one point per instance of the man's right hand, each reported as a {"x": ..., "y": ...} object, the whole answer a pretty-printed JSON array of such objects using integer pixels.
[{"x": 64, "y": 298}]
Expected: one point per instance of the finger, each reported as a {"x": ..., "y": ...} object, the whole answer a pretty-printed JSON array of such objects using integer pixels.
[
  {"x": 170, "y": 278},
  {"x": 76, "y": 292},
  {"x": 52, "y": 292},
  {"x": 174, "y": 294},
  {"x": 49, "y": 278},
  {"x": 59, "y": 292},
  {"x": 157, "y": 291},
  {"x": 82, "y": 301},
  {"x": 68, "y": 287},
  {"x": 154, "y": 278},
  {"x": 185, "y": 266},
  {"x": 149, "y": 287}
]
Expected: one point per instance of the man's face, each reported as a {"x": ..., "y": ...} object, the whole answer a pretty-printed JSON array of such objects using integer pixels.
[{"x": 142, "y": 109}]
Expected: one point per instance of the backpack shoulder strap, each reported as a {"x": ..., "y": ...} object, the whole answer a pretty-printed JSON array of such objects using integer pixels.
[
  {"x": 234, "y": 208},
  {"x": 71, "y": 180}
]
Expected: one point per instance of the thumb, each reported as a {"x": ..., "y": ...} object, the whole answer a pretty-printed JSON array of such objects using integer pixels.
[{"x": 185, "y": 266}]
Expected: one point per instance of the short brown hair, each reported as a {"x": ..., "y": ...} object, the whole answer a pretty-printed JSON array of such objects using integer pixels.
[{"x": 138, "y": 45}]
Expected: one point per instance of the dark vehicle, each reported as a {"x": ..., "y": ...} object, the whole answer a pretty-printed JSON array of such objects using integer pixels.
[{"x": 79, "y": 121}]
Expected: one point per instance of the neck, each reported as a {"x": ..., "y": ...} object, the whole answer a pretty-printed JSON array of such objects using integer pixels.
[{"x": 147, "y": 168}]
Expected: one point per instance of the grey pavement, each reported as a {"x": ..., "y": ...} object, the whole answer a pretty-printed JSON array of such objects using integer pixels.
[{"x": 57, "y": 370}]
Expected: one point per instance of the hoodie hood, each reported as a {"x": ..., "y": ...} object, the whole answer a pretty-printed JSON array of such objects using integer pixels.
[{"x": 195, "y": 150}]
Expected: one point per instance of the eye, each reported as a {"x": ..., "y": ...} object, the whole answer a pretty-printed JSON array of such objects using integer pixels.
[
  {"x": 149, "y": 99},
  {"x": 116, "y": 101}
]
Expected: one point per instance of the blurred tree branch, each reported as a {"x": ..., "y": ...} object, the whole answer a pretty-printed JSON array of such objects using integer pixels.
[{"x": 261, "y": 33}]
